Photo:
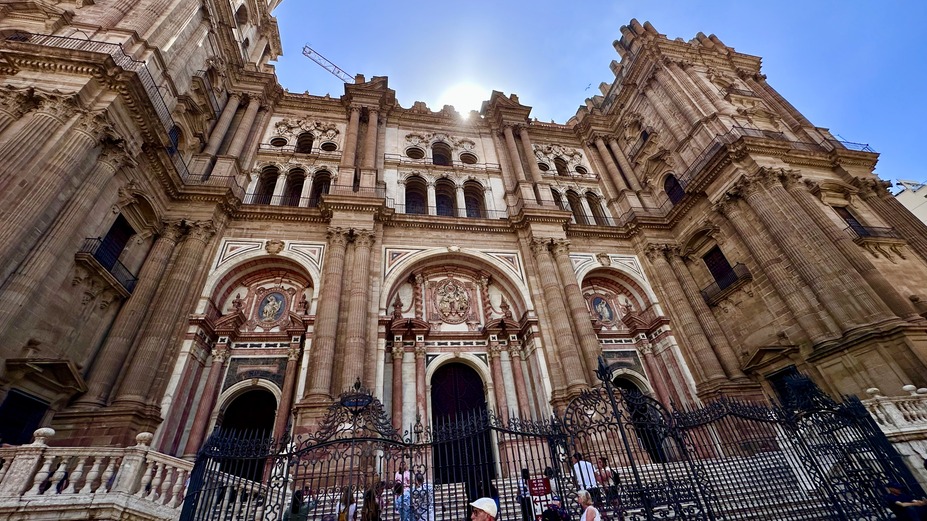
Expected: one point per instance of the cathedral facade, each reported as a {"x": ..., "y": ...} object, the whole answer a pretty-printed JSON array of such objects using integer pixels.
[{"x": 186, "y": 245}]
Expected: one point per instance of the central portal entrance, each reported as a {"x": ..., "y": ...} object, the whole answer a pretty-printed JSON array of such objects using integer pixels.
[{"x": 458, "y": 399}]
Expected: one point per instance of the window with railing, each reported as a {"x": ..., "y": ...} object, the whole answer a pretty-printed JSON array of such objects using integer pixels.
[
  {"x": 295, "y": 181},
  {"x": 321, "y": 184},
  {"x": 577, "y": 207},
  {"x": 474, "y": 200},
  {"x": 416, "y": 196},
  {"x": 673, "y": 189},
  {"x": 446, "y": 198}
]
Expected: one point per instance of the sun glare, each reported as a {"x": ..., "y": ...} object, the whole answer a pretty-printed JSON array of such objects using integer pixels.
[{"x": 464, "y": 97}]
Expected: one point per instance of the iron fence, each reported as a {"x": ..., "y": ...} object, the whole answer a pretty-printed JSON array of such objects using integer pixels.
[{"x": 807, "y": 458}]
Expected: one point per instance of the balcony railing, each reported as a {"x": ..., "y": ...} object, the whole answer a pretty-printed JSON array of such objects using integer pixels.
[
  {"x": 637, "y": 147},
  {"x": 726, "y": 283},
  {"x": 291, "y": 149},
  {"x": 453, "y": 213},
  {"x": 109, "y": 263},
  {"x": 740, "y": 92},
  {"x": 858, "y": 231},
  {"x": 281, "y": 200}
]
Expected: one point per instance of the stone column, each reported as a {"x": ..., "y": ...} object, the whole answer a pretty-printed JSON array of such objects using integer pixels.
[
  {"x": 669, "y": 121},
  {"x": 323, "y": 346},
  {"x": 286, "y": 397},
  {"x": 43, "y": 126},
  {"x": 495, "y": 364},
  {"x": 24, "y": 208},
  {"x": 702, "y": 356},
  {"x": 611, "y": 188},
  {"x": 222, "y": 126},
  {"x": 610, "y": 165},
  {"x": 885, "y": 205},
  {"x": 461, "y": 201},
  {"x": 348, "y": 156},
  {"x": 524, "y": 404},
  {"x": 514, "y": 156},
  {"x": 851, "y": 264},
  {"x": 397, "y": 385},
  {"x": 152, "y": 347},
  {"x": 565, "y": 346},
  {"x": 244, "y": 127},
  {"x": 702, "y": 102},
  {"x": 658, "y": 377},
  {"x": 254, "y": 137},
  {"x": 356, "y": 335},
  {"x": 21, "y": 284},
  {"x": 764, "y": 204},
  {"x": 625, "y": 165},
  {"x": 370, "y": 141},
  {"x": 115, "y": 351},
  {"x": 543, "y": 188},
  {"x": 715, "y": 334},
  {"x": 280, "y": 183},
  {"x": 579, "y": 310},
  {"x": 430, "y": 199},
  {"x": 421, "y": 400},
  {"x": 709, "y": 91},
  {"x": 669, "y": 86},
  {"x": 771, "y": 262},
  {"x": 220, "y": 354},
  {"x": 14, "y": 105}
]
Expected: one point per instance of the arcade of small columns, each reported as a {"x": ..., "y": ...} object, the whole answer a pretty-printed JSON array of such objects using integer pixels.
[{"x": 459, "y": 195}]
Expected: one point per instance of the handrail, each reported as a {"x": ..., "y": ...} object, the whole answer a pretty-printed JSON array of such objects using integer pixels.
[{"x": 117, "y": 269}]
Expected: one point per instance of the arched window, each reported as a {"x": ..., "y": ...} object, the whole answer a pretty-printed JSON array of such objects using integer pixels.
[
  {"x": 473, "y": 198},
  {"x": 446, "y": 198},
  {"x": 241, "y": 15},
  {"x": 561, "y": 166},
  {"x": 557, "y": 199},
  {"x": 304, "y": 143},
  {"x": 673, "y": 189},
  {"x": 595, "y": 205},
  {"x": 416, "y": 196},
  {"x": 441, "y": 154},
  {"x": 265, "y": 185},
  {"x": 577, "y": 207},
  {"x": 294, "y": 187},
  {"x": 321, "y": 183}
]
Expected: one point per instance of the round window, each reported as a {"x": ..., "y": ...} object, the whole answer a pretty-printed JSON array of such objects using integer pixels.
[
  {"x": 415, "y": 152},
  {"x": 278, "y": 142},
  {"x": 468, "y": 159},
  {"x": 581, "y": 170},
  {"x": 543, "y": 167},
  {"x": 328, "y": 146}
]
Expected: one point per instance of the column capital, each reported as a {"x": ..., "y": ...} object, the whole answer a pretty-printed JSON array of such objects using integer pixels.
[
  {"x": 337, "y": 236},
  {"x": 494, "y": 351},
  {"x": 560, "y": 247},
  {"x": 364, "y": 238},
  {"x": 202, "y": 230},
  {"x": 420, "y": 351},
  {"x": 115, "y": 155},
  {"x": 292, "y": 354},
  {"x": 792, "y": 180},
  {"x": 747, "y": 186},
  {"x": 873, "y": 187},
  {"x": 656, "y": 251},
  {"x": 540, "y": 246},
  {"x": 398, "y": 353},
  {"x": 727, "y": 204},
  {"x": 172, "y": 230},
  {"x": 220, "y": 354}
]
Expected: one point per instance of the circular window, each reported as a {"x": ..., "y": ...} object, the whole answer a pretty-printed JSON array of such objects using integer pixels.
[
  {"x": 415, "y": 152},
  {"x": 329, "y": 147},
  {"x": 468, "y": 158},
  {"x": 581, "y": 170},
  {"x": 543, "y": 167},
  {"x": 278, "y": 142}
]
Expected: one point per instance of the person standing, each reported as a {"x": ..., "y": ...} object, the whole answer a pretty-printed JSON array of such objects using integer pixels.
[
  {"x": 423, "y": 501},
  {"x": 370, "y": 509},
  {"x": 346, "y": 508},
  {"x": 484, "y": 509},
  {"x": 590, "y": 512},
  {"x": 403, "y": 476},
  {"x": 401, "y": 502},
  {"x": 584, "y": 474}
]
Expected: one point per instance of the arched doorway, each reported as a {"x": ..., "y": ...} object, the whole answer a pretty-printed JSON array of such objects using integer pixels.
[
  {"x": 646, "y": 420},
  {"x": 458, "y": 404},
  {"x": 251, "y": 416}
]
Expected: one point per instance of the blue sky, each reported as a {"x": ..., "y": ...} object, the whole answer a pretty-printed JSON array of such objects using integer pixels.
[{"x": 855, "y": 67}]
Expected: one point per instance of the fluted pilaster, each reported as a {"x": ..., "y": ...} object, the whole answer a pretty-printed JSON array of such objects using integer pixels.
[
  {"x": 153, "y": 349},
  {"x": 115, "y": 351},
  {"x": 396, "y": 409},
  {"x": 702, "y": 356},
  {"x": 579, "y": 311},
  {"x": 244, "y": 127},
  {"x": 349, "y": 154},
  {"x": 875, "y": 194},
  {"x": 610, "y": 165},
  {"x": 625, "y": 165},
  {"x": 370, "y": 140},
  {"x": 514, "y": 156},
  {"x": 495, "y": 365},
  {"x": 323, "y": 346}
]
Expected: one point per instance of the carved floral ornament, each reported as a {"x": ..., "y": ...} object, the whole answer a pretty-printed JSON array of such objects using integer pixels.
[
  {"x": 547, "y": 153},
  {"x": 320, "y": 130},
  {"x": 426, "y": 139}
]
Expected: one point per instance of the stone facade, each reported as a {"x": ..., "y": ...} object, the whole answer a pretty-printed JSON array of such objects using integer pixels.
[{"x": 688, "y": 224}]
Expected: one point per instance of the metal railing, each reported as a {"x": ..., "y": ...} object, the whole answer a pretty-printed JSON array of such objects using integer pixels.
[
  {"x": 452, "y": 213},
  {"x": 738, "y": 272},
  {"x": 109, "y": 262},
  {"x": 858, "y": 231},
  {"x": 454, "y": 163},
  {"x": 258, "y": 198},
  {"x": 637, "y": 147},
  {"x": 740, "y": 92},
  {"x": 291, "y": 149}
]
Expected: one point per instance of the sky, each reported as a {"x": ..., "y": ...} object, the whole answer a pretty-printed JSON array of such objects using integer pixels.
[{"x": 858, "y": 68}]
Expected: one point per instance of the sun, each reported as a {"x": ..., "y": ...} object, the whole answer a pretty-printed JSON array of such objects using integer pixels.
[{"x": 464, "y": 97}]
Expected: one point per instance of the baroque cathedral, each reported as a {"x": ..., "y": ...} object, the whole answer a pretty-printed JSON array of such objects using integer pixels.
[{"x": 186, "y": 245}]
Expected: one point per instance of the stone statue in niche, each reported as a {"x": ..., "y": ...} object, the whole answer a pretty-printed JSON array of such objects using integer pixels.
[
  {"x": 603, "y": 309},
  {"x": 272, "y": 307}
]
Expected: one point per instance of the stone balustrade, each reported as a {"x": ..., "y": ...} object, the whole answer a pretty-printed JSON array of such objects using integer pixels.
[
  {"x": 903, "y": 419},
  {"x": 95, "y": 482}
]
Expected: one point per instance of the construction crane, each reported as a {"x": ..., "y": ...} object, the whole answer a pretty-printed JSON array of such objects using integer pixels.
[{"x": 326, "y": 64}]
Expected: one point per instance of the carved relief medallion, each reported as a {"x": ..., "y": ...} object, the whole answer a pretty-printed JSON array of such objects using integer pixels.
[{"x": 451, "y": 301}]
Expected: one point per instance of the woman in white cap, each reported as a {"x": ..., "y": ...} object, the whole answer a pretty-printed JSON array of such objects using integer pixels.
[
  {"x": 484, "y": 509},
  {"x": 590, "y": 513}
]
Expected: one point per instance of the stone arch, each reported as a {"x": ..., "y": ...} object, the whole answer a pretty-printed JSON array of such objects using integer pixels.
[
  {"x": 221, "y": 283},
  {"x": 634, "y": 282},
  {"x": 470, "y": 360},
  {"x": 500, "y": 272},
  {"x": 634, "y": 377},
  {"x": 229, "y": 395}
]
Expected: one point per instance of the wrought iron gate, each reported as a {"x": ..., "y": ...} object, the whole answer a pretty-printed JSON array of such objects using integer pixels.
[{"x": 809, "y": 458}]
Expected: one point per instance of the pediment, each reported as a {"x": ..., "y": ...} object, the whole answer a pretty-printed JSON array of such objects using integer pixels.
[{"x": 768, "y": 355}]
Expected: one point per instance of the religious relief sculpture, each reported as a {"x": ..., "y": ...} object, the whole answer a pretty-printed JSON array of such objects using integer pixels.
[
  {"x": 603, "y": 310},
  {"x": 451, "y": 301},
  {"x": 271, "y": 307}
]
